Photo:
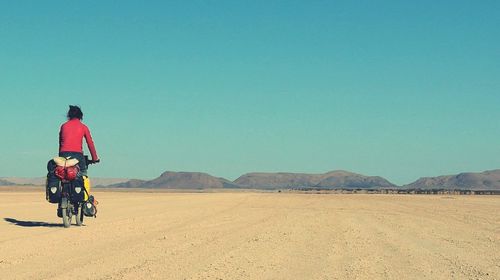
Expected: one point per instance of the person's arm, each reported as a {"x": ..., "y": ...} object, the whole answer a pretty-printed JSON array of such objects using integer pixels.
[
  {"x": 60, "y": 137},
  {"x": 90, "y": 144}
]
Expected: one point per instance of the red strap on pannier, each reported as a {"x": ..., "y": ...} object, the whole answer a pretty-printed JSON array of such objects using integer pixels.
[{"x": 67, "y": 173}]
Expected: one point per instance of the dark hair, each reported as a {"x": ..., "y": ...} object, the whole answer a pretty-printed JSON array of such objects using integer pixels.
[{"x": 75, "y": 112}]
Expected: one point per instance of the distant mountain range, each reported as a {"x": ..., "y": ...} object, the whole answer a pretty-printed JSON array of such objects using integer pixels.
[
  {"x": 488, "y": 180},
  {"x": 5, "y": 183}
]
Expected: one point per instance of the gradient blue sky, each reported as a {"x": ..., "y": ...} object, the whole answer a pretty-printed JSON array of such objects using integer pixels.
[{"x": 401, "y": 89}]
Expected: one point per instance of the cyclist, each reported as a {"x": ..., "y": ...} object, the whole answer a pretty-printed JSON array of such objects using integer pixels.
[{"x": 71, "y": 137}]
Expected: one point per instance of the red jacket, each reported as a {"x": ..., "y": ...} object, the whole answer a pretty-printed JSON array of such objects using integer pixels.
[{"x": 71, "y": 137}]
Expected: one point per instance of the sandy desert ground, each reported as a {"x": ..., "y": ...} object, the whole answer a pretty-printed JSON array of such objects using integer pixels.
[{"x": 141, "y": 235}]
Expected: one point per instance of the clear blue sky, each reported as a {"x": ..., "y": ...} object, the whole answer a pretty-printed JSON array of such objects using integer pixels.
[{"x": 401, "y": 89}]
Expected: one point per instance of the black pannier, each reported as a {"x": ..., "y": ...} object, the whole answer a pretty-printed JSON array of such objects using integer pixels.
[
  {"x": 53, "y": 184},
  {"x": 78, "y": 192},
  {"x": 89, "y": 207},
  {"x": 53, "y": 189}
]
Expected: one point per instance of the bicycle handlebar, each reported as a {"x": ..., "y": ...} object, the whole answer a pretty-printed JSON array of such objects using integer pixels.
[{"x": 89, "y": 161}]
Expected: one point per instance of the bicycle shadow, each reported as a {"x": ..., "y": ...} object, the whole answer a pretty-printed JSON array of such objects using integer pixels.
[{"x": 31, "y": 223}]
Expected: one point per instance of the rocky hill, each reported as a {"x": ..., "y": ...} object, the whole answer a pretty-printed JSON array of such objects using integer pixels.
[
  {"x": 134, "y": 183},
  {"x": 35, "y": 181},
  {"x": 277, "y": 180},
  {"x": 5, "y": 183},
  {"x": 487, "y": 180},
  {"x": 348, "y": 180},
  {"x": 332, "y": 180},
  {"x": 179, "y": 180}
]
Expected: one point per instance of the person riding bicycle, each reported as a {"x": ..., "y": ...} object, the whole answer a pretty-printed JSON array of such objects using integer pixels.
[{"x": 71, "y": 137}]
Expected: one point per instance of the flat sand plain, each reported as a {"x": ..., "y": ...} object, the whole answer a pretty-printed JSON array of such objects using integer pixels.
[{"x": 245, "y": 235}]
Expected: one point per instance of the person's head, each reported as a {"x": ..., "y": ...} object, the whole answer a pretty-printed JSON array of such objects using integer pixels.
[{"x": 74, "y": 112}]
